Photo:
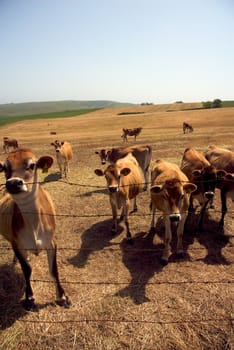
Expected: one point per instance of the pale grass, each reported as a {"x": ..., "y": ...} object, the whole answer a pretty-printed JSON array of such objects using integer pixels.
[{"x": 122, "y": 298}]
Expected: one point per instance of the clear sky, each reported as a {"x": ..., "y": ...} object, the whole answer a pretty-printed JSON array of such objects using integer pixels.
[{"x": 158, "y": 51}]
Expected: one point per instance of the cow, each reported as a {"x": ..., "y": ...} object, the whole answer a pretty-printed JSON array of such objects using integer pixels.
[
  {"x": 9, "y": 142},
  {"x": 223, "y": 160},
  {"x": 204, "y": 175},
  {"x": 142, "y": 153},
  {"x": 170, "y": 192},
  {"x": 64, "y": 154},
  {"x": 27, "y": 217},
  {"x": 124, "y": 182},
  {"x": 130, "y": 132},
  {"x": 187, "y": 127}
]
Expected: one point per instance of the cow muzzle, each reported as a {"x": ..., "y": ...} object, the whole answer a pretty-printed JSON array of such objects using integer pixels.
[
  {"x": 209, "y": 194},
  {"x": 175, "y": 217},
  {"x": 113, "y": 189},
  {"x": 15, "y": 185}
]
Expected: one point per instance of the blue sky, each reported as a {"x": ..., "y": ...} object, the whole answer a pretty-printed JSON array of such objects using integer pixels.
[{"x": 158, "y": 51}]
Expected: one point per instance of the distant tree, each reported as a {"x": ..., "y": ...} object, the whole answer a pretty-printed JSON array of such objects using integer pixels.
[
  {"x": 217, "y": 103},
  {"x": 207, "y": 104}
]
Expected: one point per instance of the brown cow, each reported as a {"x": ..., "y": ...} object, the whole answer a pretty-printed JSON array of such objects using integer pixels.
[
  {"x": 187, "y": 127},
  {"x": 142, "y": 153},
  {"x": 223, "y": 160},
  {"x": 204, "y": 175},
  {"x": 130, "y": 132},
  {"x": 27, "y": 217},
  {"x": 9, "y": 142},
  {"x": 64, "y": 154},
  {"x": 124, "y": 182},
  {"x": 170, "y": 192}
]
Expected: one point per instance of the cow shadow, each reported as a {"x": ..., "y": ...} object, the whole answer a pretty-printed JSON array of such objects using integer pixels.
[
  {"x": 52, "y": 177},
  {"x": 11, "y": 293},
  {"x": 96, "y": 238},
  {"x": 209, "y": 236},
  {"x": 90, "y": 193},
  {"x": 142, "y": 259}
]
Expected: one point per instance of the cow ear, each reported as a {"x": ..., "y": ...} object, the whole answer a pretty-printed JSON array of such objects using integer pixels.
[
  {"x": 99, "y": 172},
  {"x": 221, "y": 174},
  {"x": 44, "y": 163},
  {"x": 196, "y": 173},
  {"x": 190, "y": 187},
  {"x": 125, "y": 171},
  {"x": 156, "y": 189}
]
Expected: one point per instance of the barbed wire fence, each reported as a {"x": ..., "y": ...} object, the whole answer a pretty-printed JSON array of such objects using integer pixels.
[{"x": 229, "y": 282}]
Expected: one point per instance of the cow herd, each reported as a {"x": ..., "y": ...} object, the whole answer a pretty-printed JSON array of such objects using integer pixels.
[{"x": 27, "y": 213}]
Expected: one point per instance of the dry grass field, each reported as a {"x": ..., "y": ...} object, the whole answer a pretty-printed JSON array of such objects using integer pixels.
[{"x": 122, "y": 297}]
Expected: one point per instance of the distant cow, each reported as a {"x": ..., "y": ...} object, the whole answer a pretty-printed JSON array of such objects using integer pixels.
[
  {"x": 223, "y": 160},
  {"x": 130, "y": 132},
  {"x": 124, "y": 182},
  {"x": 9, "y": 142},
  {"x": 170, "y": 192},
  {"x": 142, "y": 153},
  {"x": 27, "y": 217},
  {"x": 204, "y": 175},
  {"x": 64, "y": 154},
  {"x": 187, "y": 127}
]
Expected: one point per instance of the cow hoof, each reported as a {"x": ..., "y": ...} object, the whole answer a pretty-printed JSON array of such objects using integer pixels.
[
  {"x": 64, "y": 302},
  {"x": 180, "y": 255},
  {"x": 130, "y": 241},
  {"x": 163, "y": 262},
  {"x": 29, "y": 305}
]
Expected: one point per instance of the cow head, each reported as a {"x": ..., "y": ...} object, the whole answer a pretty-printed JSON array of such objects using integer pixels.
[
  {"x": 57, "y": 145},
  {"x": 206, "y": 178},
  {"x": 20, "y": 170},
  {"x": 173, "y": 197},
  {"x": 103, "y": 155},
  {"x": 113, "y": 176}
]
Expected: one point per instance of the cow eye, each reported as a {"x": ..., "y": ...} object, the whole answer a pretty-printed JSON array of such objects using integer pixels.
[{"x": 30, "y": 166}]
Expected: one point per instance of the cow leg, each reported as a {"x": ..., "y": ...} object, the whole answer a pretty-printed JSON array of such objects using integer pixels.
[
  {"x": 29, "y": 304},
  {"x": 114, "y": 217},
  {"x": 167, "y": 240},
  {"x": 62, "y": 299},
  {"x": 224, "y": 207},
  {"x": 203, "y": 209},
  {"x": 180, "y": 232},
  {"x": 153, "y": 209},
  {"x": 127, "y": 209}
]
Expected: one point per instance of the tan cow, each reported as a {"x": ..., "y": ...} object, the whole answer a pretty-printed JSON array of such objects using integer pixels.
[
  {"x": 124, "y": 182},
  {"x": 204, "y": 175},
  {"x": 170, "y": 192},
  {"x": 142, "y": 153},
  {"x": 64, "y": 154},
  {"x": 130, "y": 132},
  {"x": 223, "y": 160},
  {"x": 27, "y": 217},
  {"x": 9, "y": 142}
]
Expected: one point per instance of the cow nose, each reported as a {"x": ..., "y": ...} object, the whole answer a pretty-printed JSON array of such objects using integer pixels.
[
  {"x": 113, "y": 189},
  {"x": 209, "y": 194},
  {"x": 14, "y": 185},
  {"x": 175, "y": 217},
  {"x": 103, "y": 162}
]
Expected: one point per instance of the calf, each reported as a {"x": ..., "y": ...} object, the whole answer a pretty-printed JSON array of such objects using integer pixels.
[
  {"x": 27, "y": 217},
  {"x": 64, "y": 154},
  {"x": 130, "y": 132},
  {"x": 9, "y": 142},
  {"x": 223, "y": 160},
  {"x": 142, "y": 153},
  {"x": 187, "y": 127},
  {"x": 204, "y": 175},
  {"x": 170, "y": 192},
  {"x": 124, "y": 182}
]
